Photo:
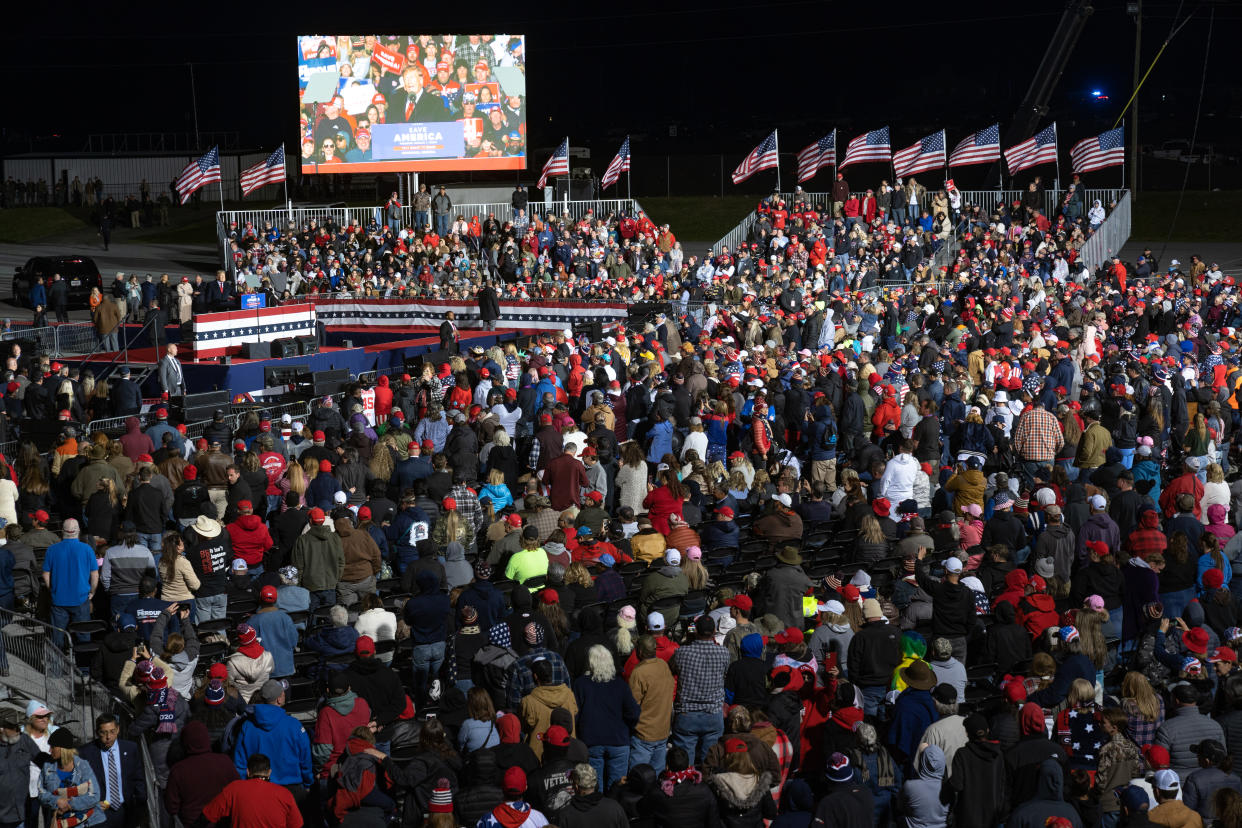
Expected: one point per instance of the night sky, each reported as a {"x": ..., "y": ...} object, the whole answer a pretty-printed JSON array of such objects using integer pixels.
[{"x": 721, "y": 72}]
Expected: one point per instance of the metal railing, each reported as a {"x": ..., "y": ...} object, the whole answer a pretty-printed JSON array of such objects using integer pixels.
[
  {"x": 39, "y": 669},
  {"x": 116, "y": 425},
  {"x": 987, "y": 200},
  {"x": 65, "y": 339},
  {"x": 282, "y": 219},
  {"x": 1109, "y": 237}
]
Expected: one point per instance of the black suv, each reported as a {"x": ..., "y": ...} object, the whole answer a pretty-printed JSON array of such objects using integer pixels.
[{"x": 79, "y": 271}]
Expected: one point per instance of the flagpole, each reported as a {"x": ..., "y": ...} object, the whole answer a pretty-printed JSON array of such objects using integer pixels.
[
  {"x": 628, "y": 195},
  {"x": 1056, "y": 143},
  {"x": 1123, "y": 157},
  {"x": 776, "y": 143},
  {"x": 288, "y": 203}
]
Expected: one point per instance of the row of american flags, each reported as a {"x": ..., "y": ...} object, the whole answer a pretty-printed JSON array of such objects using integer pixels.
[
  {"x": 983, "y": 147},
  {"x": 206, "y": 170}
]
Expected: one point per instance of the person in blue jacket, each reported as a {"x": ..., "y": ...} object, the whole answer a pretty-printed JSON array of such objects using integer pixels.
[
  {"x": 269, "y": 730},
  {"x": 276, "y": 630}
]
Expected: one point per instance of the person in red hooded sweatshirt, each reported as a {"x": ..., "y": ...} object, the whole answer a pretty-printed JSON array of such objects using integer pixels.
[
  {"x": 887, "y": 416},
  {"x": 383, "y": 400},
  {"x": 249, "y": 537},
  {"x": 577, "y": 377},
  {"x": 1037, "y": 611},
  {"x": 1014, "y": 591}
]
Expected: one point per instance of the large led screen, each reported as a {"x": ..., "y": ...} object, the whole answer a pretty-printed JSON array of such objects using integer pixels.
[{"x": 389, "y": 103}]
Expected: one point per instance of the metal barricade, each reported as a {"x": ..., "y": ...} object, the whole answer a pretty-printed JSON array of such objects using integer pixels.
[
  {"x": 75, "y": 339},
  {"x": 35, "y": 667},
  {"x": 109, "y": 425},
  {"x": 1109, "y": 237}
]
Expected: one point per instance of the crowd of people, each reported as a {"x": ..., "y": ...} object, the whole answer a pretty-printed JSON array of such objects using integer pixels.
[{"x": 959, "y": 552}]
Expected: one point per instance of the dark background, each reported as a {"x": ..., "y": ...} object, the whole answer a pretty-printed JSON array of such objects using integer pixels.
[{"x": 683, "y": 78}]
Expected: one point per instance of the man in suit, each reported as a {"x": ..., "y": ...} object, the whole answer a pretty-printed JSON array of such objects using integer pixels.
[
  {"x": 118, "y": 768},
  {"x": 126, "y": 394},
  {"x": 448, "y": 333},
  {"x": 220, "y": 295},
  {"x": 172, "y": 381},
  {"x": 412, "y": 104}
]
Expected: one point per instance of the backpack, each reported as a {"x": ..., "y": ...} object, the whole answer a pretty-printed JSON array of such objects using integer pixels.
[{"x": 493, "y": 664}]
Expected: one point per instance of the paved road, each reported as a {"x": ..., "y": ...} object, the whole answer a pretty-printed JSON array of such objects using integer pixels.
[
  {"x": 156, "y": 259},
  {"x": 1227, "y": 254}
]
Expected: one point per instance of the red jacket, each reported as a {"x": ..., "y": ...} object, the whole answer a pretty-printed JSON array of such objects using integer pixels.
[
  {"x": 664, "y": 651},
  {"x": 1037, "y": 613},
  {"x": 250, "y": 539},
  {"x": 254, "y": 803},
  {"x": 1188, "y": 482},
  {"x": 383, "y": 398},
  {"x": 333, "y": 727},
  {"x": 659, "y": 504}
]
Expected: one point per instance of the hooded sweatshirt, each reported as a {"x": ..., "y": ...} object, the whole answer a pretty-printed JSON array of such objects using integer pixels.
[
  {"x": 746, "y": 681},
  {"x": 250, "y": 539},
  {"x": 537, "y": 707},
  {"x": 199, "y": 776},
  {"x": 429, "y": 613},
  {"x": 280, "y": 737},
  {"x": 920, "y": 796},
  {"x": 1049, "y": 801},
  {"x": 337, "y": 720},
  {"x": 319, "y": 557},
  {"x": 362, "y": 556}
]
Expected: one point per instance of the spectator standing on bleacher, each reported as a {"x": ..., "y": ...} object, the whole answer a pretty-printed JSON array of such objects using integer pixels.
[
  {"x": 71, "y": 575},
  {"x": 198, "y": 777},
  {"x": 209, "y": 550},
  {"x": 276, "y": 631},
  {"x": 320, "y": 559}
]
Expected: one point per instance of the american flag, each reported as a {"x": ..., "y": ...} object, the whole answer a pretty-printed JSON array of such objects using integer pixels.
[
  {"x": 762, "y": 157},
  {"x": 1105, "y": 150},
  {"x": 271, "y": 171},
  {"x": 981, "y": 148},
  {"x": 872, "y": 146},
  {"x": 823, "y": 153},
  {"x": 1042, "y": 149},
  {"x": 619, "y": 165},
  {"x": 205, "y": 170},
  {"x": 927, "y": 154},
  {"x": 558, "y": 164}
]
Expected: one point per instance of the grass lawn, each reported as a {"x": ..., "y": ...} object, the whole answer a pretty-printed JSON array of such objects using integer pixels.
[
  {"x": 699, "y": 218},
  {"x": 30, "y": 224},
  {"x": 1204, "y": 216}
]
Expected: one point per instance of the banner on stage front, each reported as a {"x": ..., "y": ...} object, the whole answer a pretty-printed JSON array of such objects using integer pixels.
[
  {"x": 534, "y": 315},
  {"x": 217, "y": 334}
]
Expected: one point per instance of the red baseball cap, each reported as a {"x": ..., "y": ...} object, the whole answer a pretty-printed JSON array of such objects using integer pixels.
[
  {"x": 316, "y": 516},
  {"x": 189, "y": 473},
  {"x": 742, "y": 602},
  {"x": 790, "y": 635},
  {"x": 43, "y": 517},
  {"x": 428, "y": 445},
  {"x": 364, "y": 513},
  {"x": 364, "y": 646},
  {"x": 268, "y": 594},
  {"x": 319, "y": 436},
  {"x": 1223, "y": 654},
  {"x": 556, "y": 736},
  {"x": 725, "y": 512}
]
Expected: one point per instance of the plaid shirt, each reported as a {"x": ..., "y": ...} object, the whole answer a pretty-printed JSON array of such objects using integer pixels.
[
  {"x": 700, "y": 668},
  {"x": 1037, "y": 436},
  {"x": 522, "y": 681},
  {"x": 1142, "y": 731},
  {"x": 1144, "y": 542},
  {"x": 468, "y": 507}
]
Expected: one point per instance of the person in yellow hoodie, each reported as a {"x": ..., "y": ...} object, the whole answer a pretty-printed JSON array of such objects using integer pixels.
[{"x": 538, "y": 704}]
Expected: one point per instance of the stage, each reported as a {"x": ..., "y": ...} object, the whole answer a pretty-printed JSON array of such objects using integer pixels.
[{"x": 384, "y": 351}]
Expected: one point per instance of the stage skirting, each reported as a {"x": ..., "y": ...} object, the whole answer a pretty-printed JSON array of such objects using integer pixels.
[
  {"x": 530, "y": 316},
  {"x": 216, "y": 334}
]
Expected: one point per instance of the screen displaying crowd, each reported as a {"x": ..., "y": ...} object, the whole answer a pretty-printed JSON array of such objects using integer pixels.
[
  {"x": 954, "y": 550},
  {"x": 412, "y": 102}
]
